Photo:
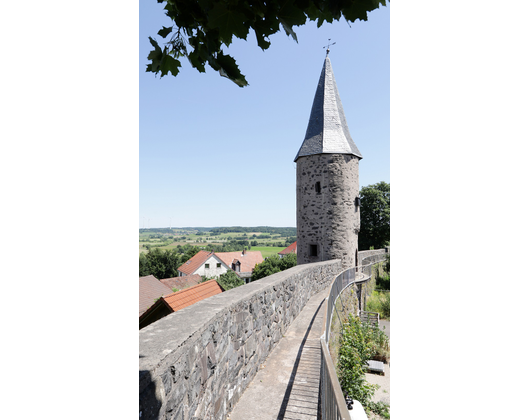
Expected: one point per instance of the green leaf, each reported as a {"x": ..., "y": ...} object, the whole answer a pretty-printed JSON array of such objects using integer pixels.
[
  {"x": 229, "y": 23},
  {"x": 288, "y": 29},
  {"x": 358, "y": 10},
  {"x": 230, "y": 69},
  {"x": 155, "y": 56},
  {"x": 262, "y": 42},
  {"x": 196, "y": 60},
  {"x": 169, "y": 64},
  {"x": 291, "y": 15},
  {"x": 262, "y": 29},
  {"x": 165, "y": 31}
]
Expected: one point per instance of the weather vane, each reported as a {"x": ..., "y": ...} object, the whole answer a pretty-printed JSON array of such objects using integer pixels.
[{"x": 329, "y": 45}]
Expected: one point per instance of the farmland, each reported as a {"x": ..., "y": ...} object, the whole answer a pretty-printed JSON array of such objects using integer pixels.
[{"x": 265, "y": 239}]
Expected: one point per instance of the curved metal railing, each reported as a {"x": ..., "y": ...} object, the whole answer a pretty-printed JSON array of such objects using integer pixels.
[{"x": 333, "y": 405}]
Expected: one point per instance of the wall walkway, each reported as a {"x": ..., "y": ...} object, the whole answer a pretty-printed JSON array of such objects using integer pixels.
[{"x": 287, "y": 384}]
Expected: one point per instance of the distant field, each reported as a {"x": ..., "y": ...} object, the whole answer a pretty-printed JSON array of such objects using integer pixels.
[
  {"x": 195, "y": 237},
  {"x": 267, "y": 251}
]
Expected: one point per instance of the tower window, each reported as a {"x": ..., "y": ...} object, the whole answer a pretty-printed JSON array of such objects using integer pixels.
[
  {"x": 313, "y": 250},
  {"x": 317, "y": 187}
]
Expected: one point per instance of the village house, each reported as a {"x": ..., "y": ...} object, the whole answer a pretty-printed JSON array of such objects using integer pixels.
[
  {"x": 213, "y": 264},
  {"x": 290, "y": 249}
]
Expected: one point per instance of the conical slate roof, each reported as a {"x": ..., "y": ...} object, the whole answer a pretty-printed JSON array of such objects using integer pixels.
[{"x": 327, "y": 130}]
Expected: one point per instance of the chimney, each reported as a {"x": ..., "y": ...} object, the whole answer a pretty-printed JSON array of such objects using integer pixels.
[{"x": 243, "y": 252}]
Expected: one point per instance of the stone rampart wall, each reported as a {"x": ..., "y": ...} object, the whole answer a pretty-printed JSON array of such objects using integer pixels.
[
  {"x": 373, "y": 255},
  {"x": 196, "y": 363}
]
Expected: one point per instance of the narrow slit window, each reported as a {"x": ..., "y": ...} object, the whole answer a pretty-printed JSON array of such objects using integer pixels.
[
  {"x": 317, "y": 187},
  {"x": 313, "y": 250}
]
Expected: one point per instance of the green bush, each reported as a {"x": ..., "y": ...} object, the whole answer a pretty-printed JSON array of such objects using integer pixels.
[
  {"x": 273, "y": 264},
  {"x": 229, "y": 280},
  {"x": 359, "y": 343}
]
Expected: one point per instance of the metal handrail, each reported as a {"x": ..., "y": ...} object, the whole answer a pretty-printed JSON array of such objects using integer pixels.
[{"x": 333, "y": 404}]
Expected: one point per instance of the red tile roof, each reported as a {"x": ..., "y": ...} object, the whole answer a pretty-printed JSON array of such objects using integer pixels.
[
  {"x": 182, "y": 282},
  {"x": 191, "y": 295},
  {"x": 248, "y": 260},
  {"x": 289, "y": 249},
  {"x": 151, "y": 289},
  {"x": 194, "y": 262}
]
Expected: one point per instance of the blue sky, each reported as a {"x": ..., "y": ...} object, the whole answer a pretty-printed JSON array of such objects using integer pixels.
[{"x": 214, "y": 154}]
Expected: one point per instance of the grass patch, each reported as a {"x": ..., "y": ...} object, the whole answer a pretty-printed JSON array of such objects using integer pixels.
[
  {"x": 379, "y": 302},
  {"x": 267, "y": 251}
]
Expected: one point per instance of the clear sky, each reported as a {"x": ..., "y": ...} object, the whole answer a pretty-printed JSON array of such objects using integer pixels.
[{"x": 214, "y": 154}]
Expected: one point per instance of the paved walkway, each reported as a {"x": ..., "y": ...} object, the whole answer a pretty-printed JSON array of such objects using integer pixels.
[{"x": 286, "y": 387}]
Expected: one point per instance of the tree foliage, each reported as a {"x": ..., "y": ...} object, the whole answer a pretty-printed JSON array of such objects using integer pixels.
[
  {"x": 229, "y": 280},
  {"x": 164, "y": 264},
  {"x": 203, "y": 27},
  {"x": 375, "y": 216},
  {"x": 273, "y": 264}
]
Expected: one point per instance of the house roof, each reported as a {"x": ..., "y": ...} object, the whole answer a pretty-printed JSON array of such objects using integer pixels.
[
  {"x": 327, "y": 130},
  {"x": 289, "y": 249},
  {"x": 150, "y": 289},
  {"x": 248, "y": 259},
  {"x": 190, "y": 266},
  {"x": 182, "y": 282},
  {"x": 189, "y": 296}
]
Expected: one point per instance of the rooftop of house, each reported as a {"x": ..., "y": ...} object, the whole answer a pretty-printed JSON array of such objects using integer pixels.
[
  {"x": 327, "y": 130},
  {"x": 190, "y": 266},
  {"x": 182, "y": 282},
  {"x": 150, "y": 290},
  {"x": 289, "y": 249},
  {"x": 189, "y": 296},
  {"x": 248, "y": 259}
]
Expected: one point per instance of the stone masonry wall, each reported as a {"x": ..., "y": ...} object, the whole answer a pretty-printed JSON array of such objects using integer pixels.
[
  {"x": 373, "y": 255},
  {"x": 196, "y": 363},
  {"x": 329, "y": 218}
]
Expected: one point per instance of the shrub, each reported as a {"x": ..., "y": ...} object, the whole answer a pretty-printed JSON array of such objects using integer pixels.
[
  {"x": 359, "y": 344},
  {"x": 229, "y": 280}
]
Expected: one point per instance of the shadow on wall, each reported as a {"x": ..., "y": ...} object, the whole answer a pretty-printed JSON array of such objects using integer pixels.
[{"x": 150, "y": 402}]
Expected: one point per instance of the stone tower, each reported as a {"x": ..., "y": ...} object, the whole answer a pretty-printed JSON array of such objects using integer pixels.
[{"x": 327, "y": 181}]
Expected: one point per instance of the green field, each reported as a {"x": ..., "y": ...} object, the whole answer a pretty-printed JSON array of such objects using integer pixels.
[
  {"x": 267, "y": 251},
  {"x": 199, "y": 237}
]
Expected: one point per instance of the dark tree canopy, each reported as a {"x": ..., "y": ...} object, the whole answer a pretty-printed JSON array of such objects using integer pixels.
[
  {"x": 375, "y": 216},
  {"x": 229, "y": 280},
  {"x": 202, "y": 27},
  {"x": 273, "y": 264}
]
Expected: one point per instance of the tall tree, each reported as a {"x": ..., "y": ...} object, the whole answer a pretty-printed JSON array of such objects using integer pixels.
[
  {"x": 203, "y": 27},
  {"x": 375, "y": 216}
]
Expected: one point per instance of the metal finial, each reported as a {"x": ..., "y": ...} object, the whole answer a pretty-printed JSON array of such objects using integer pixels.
[{"x": 329, "y": 45}]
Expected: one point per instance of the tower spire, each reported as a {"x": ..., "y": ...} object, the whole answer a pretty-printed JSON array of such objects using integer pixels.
[{"x": 327, "y": 129}]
